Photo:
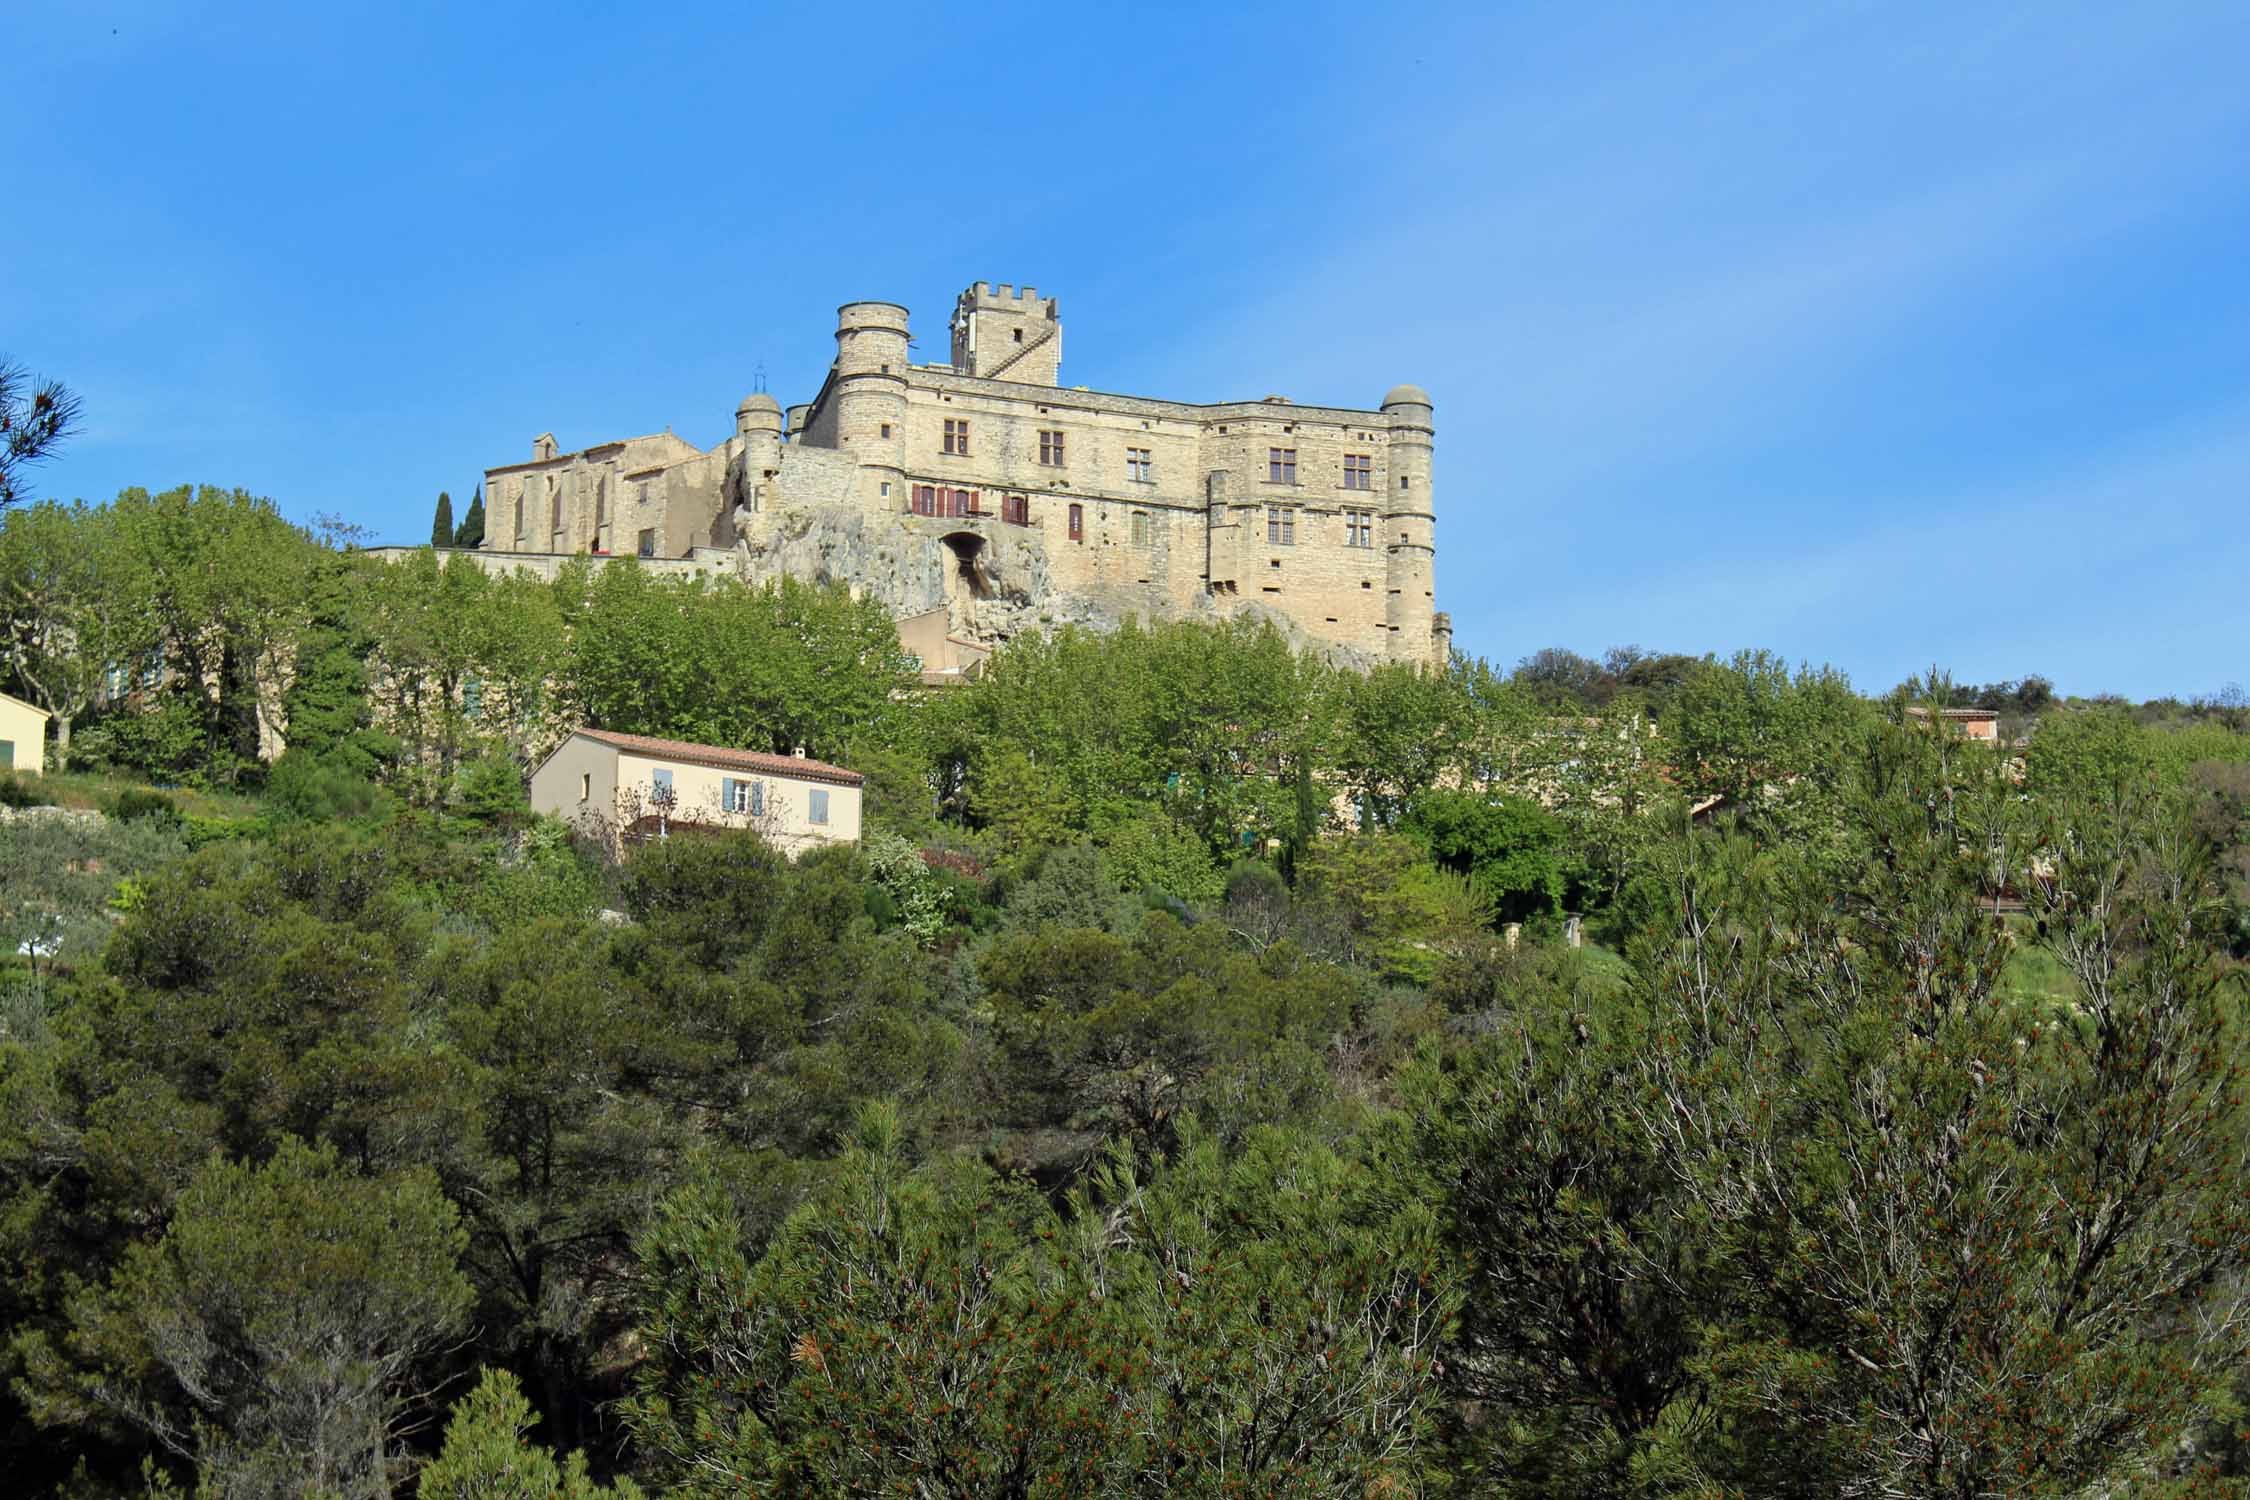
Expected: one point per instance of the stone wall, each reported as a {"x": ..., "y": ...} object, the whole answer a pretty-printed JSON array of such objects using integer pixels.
[{"x": 1318, "y": 516}]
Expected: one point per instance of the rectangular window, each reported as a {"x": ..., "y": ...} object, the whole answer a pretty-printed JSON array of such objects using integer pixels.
[
  {"x": 956, "y": 435},
  {"x": 585, "y": 786},
  {"x": 1138, "y": 467},
  {"x": 1281, "y": 526},
  {"x": 1281, "y": 466},
  {"x": 660, "y": 786},
  {"x": 1359, "y": 471},
  {"x": 1077, "y": 522},
  {"x": 734, "y": 796},
  {"x": 816, "y": 806},
  {"x": 1359, "y": 528},
  {"x": 1051, "y": 447},
  {"x": 923, "y": 502},
  {"x": 648, "y": 543},
  {"x": 1015, "y": 509},
  {"x": 554, "y": 505},
  {"x": 472, "y": 696},
  {"x": 1140, "y": 528}
]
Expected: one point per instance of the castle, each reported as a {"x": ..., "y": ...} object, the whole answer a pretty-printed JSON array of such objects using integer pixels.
[{"x": 981, "y": 497}]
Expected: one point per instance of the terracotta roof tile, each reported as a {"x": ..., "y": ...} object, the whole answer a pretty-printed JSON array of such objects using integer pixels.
[{"x": 725, "y": 757}]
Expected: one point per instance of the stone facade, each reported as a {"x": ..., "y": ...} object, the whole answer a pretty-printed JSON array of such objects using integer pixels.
[{"x": 985, "y": 488}]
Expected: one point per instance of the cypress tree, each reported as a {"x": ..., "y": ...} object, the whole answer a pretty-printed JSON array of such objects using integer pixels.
[
  {"x": 441, "y": 527},
  {"x": 471, "y": 533}
]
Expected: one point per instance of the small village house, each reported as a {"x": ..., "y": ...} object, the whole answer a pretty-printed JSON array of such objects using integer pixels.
[
  {"x": 629, "y": 787},
  {"x": 1979, "y": 724},
  {"x": 23, "y": 736}
]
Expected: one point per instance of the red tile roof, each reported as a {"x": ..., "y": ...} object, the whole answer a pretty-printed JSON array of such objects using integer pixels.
[{"x": 725, "y": 758}]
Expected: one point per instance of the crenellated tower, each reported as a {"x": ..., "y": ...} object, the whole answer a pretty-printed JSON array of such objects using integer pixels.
[
  {"x": 870, "y": 395},
  {"x": 1409, "y": 529},
  {"x": 1008, "y": 334}
]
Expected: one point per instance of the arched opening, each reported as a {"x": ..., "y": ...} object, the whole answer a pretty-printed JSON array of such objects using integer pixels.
[{"x": 968, "y": 575}]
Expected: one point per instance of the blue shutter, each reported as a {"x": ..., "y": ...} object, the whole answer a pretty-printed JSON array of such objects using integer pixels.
[
  {"x": 819, "y": 807},
  {"x": 757, "y": 799},
  {"x": 726, "y": 793}
]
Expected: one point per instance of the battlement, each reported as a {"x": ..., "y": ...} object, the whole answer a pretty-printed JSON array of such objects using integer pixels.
[{"x": 983, "y": 296}]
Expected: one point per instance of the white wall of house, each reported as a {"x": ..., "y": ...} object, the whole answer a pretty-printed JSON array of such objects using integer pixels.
[{"x": 588, "y": 781}]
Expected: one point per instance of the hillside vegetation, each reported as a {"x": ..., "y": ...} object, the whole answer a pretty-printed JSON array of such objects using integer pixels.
[{"x": 1186, "y": 1087}]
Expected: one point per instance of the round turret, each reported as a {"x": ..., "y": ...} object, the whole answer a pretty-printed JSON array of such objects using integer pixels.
[
  {"x": 1409, "y": 525},
  {"x": 758, "y": 412},
  {"x": 870, "y": 397}
]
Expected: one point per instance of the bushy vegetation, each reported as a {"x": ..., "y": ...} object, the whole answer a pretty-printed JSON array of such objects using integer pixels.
[{"x": 1186, "y": 1087}]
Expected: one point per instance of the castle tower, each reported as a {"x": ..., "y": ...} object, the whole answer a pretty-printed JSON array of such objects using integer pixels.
[
  {"x": 757, "y": 434},
  {"x": 871, "y": 397},
  {"x": 1008, "y": 334},
  {"x": 1409, "y": 528}
]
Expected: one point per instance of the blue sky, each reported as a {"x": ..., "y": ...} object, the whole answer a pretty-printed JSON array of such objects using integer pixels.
[{"x": 1878, "y": 335}]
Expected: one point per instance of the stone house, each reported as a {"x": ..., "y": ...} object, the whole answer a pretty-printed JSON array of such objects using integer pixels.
[
  {"x": 983, "y": 487},
  {"x": 624, "y": 787},
  {"x": 23, "y": 736}
]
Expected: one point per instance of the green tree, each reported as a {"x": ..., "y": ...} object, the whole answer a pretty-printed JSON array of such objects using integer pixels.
[
  {"x": 274, "y": 1334},
  {"x": 228, "y": 592},
  {"x": 1381, "y": 902},
  {"x": 773, "y": 668},
  {"x": 72, "y": 609},
  {"x": 1509, "y": 848},
  {"x": 35, "y": 416},
  {"x": 1973, "y": 1248},
  {"x": 485, "y": 1456},
  {"x": 462, "y": 665},
  {"x": 471, "y": 531},
  {"x": 442, "y": 529}
]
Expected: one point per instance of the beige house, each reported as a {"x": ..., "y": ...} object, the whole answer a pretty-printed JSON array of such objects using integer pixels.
[
  {"x": 627, "y": 787},
  {"x": 23, "y": 736}
]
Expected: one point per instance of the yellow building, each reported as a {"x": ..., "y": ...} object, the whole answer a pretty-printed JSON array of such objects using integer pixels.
[
  {"x": 23, "y": 736},
  {"x": 626, "y": 787}
]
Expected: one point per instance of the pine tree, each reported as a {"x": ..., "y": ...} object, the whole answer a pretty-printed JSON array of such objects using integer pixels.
[
  {"x": 471, "y": 533},
  {"x": 441, "y": 527}
]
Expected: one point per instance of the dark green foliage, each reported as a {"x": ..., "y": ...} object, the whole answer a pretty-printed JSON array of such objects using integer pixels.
[
  {"x": 307, "y": 787},
  {"x": 471, "y": 530},
  {"x": 15, "y": 791},
  {"x": 274, "y": 1331},
  {"x": 1146, "y": 1104},
  {"x": 136, "y": 803},
  {"x": 492, "y": 789},
  {"x": 1509, "y": 848},
  {"x": 442, "y": 530}
]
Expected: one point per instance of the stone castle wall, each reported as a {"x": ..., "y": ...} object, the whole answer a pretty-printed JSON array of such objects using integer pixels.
[{"x": 1321, "y": 518}]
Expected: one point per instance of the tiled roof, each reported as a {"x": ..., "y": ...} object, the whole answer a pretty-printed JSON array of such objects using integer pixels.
[{"x": 725, "y": 758}]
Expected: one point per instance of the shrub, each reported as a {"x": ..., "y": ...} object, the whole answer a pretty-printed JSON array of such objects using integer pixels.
[
  {"x": 320, "y": 789},
  {"x": 15, "y": 792},
  {"x": 490, "y": 790},
  {"x": 136, "y": 803}
]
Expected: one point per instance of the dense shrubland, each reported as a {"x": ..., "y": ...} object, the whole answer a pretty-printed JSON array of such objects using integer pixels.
[{"x": 1185, "y": 1088}]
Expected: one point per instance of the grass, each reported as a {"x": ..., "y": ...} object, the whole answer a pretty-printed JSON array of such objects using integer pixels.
[
  {"x": 2034, "y": 976},
  {"x": 99, "y": 790}
]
